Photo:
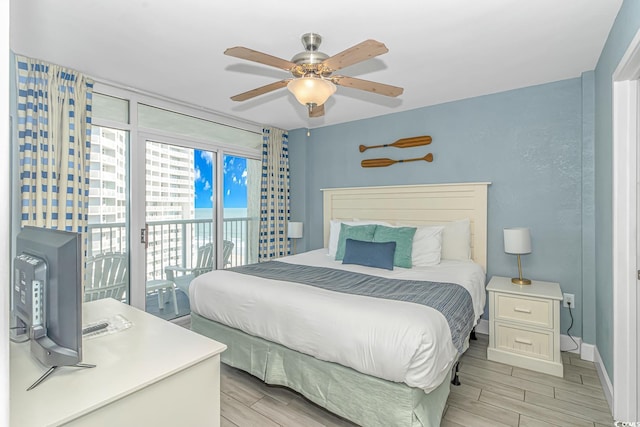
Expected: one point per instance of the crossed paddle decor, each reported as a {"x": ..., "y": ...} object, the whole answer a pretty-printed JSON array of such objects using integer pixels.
[{"x": 416, "y": 141}]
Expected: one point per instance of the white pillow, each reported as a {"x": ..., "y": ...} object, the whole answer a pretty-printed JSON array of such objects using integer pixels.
[
  {"x": 334, "y": 231},
  {"x": 456, "y": 240},
  {"x": 427, "y": 246}
]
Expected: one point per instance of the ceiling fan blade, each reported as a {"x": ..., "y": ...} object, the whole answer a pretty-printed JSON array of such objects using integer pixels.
[
  {"x": 262, "y": 58},
  {"x": 317, "y": 111},
  {"x": 379, "y": 88},
  {"x": 358, "y": 53},
  {"x": 260, "y": 90}
]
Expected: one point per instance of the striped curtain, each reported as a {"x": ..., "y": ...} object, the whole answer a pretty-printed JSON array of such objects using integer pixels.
[
  {"x": 54, "y": 137},
  {"x": 274, "y": 195}
]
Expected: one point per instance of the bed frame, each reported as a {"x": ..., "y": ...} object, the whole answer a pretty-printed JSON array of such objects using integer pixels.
[{"x": 361, "y": 398}]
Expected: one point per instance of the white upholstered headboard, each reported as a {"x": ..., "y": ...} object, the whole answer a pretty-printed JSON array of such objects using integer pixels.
[{"x": 414, "y": 205}]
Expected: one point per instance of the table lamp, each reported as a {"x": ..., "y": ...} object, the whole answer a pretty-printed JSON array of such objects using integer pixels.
[
  {"x": 518, "y": 241},
  {"x": 294, "y": 231}
]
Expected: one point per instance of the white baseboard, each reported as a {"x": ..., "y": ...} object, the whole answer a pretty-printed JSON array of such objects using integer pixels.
[
  {"x": 607, "y": 387},
  {"x": 587, "y": 352},
  {"x": 567, "y": 344}
]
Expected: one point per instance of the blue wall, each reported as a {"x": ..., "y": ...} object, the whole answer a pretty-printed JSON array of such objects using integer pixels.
[
  {"x": 527, "y": 142},
  {"x": 624, "y": 29}
]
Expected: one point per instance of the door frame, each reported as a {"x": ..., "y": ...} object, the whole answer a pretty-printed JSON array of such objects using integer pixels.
[{"x": 625, "y": 237}]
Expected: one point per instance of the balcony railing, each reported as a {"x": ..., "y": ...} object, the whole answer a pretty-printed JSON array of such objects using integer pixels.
[{"x": 176, "y": 242}]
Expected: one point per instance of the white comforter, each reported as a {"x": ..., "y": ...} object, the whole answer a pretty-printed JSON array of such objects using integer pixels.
[{"x": 393, "y": 340}]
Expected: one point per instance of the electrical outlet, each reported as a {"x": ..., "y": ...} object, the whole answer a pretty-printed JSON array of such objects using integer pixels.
[{"x": 569, "y": 298}]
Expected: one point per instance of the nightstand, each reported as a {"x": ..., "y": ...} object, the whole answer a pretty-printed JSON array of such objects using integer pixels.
[{"x": 524, "y": 325}]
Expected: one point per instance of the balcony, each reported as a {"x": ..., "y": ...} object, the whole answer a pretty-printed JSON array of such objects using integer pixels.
[{"x": 176, "y": 242}]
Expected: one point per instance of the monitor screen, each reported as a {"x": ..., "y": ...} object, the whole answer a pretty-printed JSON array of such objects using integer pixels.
[{"x": 47, "y": 294}]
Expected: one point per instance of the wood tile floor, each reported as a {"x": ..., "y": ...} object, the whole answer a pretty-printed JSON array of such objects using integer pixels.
[
  {"x": 494, "y": 394},
  {"x": 491, "y": 394}
]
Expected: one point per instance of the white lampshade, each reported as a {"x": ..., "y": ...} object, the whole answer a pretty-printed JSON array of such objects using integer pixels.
[
  {"x": 517, "y": 240},
  {"x": 294, "y": 231},
  {"x": 311, "y": 90}
]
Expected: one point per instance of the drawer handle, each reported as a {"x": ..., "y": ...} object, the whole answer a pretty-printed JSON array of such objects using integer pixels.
[
  {"x": 522, "y": 310},
  {"x": 523, "y": 341}
]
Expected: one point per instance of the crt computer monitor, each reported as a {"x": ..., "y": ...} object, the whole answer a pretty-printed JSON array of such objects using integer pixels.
[{"x": 47, "y": 294}]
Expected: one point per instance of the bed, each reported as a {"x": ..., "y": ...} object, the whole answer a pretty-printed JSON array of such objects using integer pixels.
[{"x": 346, "y": 351}]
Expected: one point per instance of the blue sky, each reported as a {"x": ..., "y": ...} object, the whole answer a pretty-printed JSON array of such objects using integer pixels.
[{"x": 234, "y": 176}]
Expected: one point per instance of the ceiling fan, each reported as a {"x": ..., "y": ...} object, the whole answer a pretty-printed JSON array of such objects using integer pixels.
[{"x": 312, "y": 82}]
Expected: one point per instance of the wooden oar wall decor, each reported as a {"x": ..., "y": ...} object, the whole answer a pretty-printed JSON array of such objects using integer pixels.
[
  {"x": 416, "y": 141},
  {"x": 378, "y": 163}
]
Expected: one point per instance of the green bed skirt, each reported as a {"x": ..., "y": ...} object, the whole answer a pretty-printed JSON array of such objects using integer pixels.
[{"x": 363, "y": 399}]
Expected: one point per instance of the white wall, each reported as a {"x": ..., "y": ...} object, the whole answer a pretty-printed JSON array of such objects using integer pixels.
[{"x": 5, "y": 214}]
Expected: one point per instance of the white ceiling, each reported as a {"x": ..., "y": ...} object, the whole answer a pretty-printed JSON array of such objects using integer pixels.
[{"x": 439, "y": 50}]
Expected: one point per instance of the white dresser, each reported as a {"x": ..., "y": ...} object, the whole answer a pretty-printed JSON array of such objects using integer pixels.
[
  {"x": 153, "y": 373},
  {"x": 524, "y": 325}
]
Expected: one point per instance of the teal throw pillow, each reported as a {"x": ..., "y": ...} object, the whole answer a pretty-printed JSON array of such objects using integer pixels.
[
  {"x": 356, "y": 232},
  {"x": 403, "y": 236}
]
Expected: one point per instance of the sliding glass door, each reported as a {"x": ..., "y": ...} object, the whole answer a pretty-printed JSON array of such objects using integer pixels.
[
  {"x": 180, "y": 224},
  {"x": 183, "y": 198}
]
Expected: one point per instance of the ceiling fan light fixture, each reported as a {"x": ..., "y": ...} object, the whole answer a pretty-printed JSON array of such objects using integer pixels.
[{"x": 311, "y": 90}]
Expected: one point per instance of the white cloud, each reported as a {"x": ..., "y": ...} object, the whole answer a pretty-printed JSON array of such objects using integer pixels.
[
  {"x": 197, "y": 174},
  {"x": 207, "y": 186},
  {"x": 207, "y": 156},
  {"x": 228, "y": 192}
]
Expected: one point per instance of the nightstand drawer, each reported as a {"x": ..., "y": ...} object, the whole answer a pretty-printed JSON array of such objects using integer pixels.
[
  {"x": 528, "y": 310},
  {"x": 530, "y": 343}
]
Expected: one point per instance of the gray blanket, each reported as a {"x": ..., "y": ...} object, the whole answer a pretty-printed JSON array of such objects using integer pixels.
[{"x": 450, "y": 299}]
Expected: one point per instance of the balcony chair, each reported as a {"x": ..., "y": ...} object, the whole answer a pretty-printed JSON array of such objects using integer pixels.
[
  {"x": 227, "y": 248},
  {"x": 106, "y": 276},
  {"x": 162, "y": 287},
  {"x": 182, "y": 276}
]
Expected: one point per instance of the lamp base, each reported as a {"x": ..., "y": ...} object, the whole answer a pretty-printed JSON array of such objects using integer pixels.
[{"x": 518, "y": 281}]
